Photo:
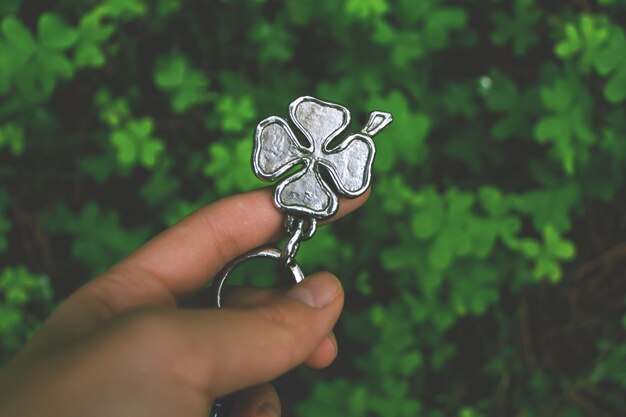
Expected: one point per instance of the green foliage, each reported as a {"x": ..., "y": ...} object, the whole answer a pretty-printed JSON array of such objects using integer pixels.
[
  {"x": 612, "y": 63},
  {"x": 12, "y": 137},
  {"x": 364, "y": 9},
  {"x": 601, "y": 44},
  {"x": 519, "y": 28},
  {"x": 517, "y": 107},
  {"x": 98, "y": 238},
  {"x": 186, "y": 85},
  {"x": 20, "y": 291},
  {"x": 409, "y": 131},
  {"x": 33, "y": 65},
  {"x": 498, "y": 186},
  {"x": 566, "y": 125},
  {"x": 132, "y": 139}
]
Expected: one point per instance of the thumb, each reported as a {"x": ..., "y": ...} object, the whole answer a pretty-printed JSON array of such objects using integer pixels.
[{"x": 247, "y": 346}]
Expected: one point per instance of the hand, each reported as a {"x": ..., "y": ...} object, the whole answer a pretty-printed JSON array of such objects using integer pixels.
[{"x": 119, "y": 346}]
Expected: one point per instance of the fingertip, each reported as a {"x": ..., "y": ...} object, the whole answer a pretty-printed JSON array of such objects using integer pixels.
[
  {"x": 325, "y": 354},
  {"x": 317, "y": 290},
  {"x": 348, "y": 205}
]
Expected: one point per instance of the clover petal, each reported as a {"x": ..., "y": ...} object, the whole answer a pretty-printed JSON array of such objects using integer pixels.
[
  {"x": 318, "y": 120},
  {"x": 276, "y": 148},
  {"x": 350, "y": 164},
  {"x": 306, "y": 193}
]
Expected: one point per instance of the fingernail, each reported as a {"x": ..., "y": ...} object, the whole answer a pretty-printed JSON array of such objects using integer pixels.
[
  {"x": 267, "y": 409},
  {"x": 317, "y": 291}
]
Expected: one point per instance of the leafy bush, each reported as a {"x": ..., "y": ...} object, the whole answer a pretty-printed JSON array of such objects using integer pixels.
[{"x": 485, "y": 276}]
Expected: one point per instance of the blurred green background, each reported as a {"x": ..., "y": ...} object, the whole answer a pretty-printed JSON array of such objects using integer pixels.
[{"x": 486, "y": 274}]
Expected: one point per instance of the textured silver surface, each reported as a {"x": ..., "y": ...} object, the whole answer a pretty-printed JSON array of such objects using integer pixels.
[{"x": 306, "y": 193}]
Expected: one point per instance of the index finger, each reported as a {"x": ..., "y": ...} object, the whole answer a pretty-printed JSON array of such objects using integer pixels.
[{"x": 186, "y": 255}]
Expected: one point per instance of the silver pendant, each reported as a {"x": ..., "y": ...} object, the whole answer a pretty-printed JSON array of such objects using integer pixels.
[
  {"x": 306, "y": 193},
  {"x": 306, "y": 196}
]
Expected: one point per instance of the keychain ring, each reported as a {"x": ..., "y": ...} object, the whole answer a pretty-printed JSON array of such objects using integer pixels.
[{"x": 264, "y": 252}]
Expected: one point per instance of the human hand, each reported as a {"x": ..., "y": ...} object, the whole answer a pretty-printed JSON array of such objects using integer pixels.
[{"x": 119, "y": 346}]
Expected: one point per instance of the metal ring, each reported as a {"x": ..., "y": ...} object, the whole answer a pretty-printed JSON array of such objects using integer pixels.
[{"x": 263, "y": 252}]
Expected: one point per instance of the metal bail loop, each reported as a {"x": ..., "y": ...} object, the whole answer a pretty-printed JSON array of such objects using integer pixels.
[
  {"x": 299, "y": 230},
  {"x": 265, "y": 252}
]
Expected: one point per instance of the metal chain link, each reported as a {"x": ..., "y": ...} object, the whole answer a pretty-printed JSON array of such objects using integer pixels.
[{"x": 299, "y": 230}]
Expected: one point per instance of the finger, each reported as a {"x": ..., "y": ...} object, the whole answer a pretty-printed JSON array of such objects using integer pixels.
[
  {"x": 249, "y": 296},
  {"x": 258, "y": 401},
  {"x": 186, "y": 255},
  {"x": 322, "y": 356},
  {"x": 230, "y": 349},
  {"x": 175, "y": 263}
]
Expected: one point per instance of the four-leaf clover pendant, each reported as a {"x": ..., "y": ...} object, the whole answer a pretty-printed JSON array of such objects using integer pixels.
[
  {"x": 349, "y": 164},
  {"x": 327, "y": 169}
]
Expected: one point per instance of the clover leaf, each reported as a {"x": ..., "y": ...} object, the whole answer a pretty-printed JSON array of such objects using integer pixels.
[
  {"x": 135, "y": 144},
  {"x": 20, "y": 290},
  {"x": 586, "y": 38},
  {"x": 566, "y": 126},
  {"x": 235, "y": 112},
  {"x": 364, "y": 9},
  {"x": 611, "y": 62},
  {"x": 186, "y": 86},
  {"x": 518, "y": 28},
  {"x": 12, "y": 137},
  {"x": 99, "y": 240},
  {"x": 54, "y": 33}
]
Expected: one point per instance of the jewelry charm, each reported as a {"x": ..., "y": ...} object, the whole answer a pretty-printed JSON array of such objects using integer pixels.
[{"x": 306, "y": 196}]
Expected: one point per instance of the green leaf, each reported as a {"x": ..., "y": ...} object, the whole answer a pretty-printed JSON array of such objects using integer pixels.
[
  {"x": 566, "y": 126},
  {"x": 518, "y": 28},
  {"x": 571, "y": 44},
  {"x": 615, "y": 88},
  {"x": 558, "y": 247},
  {"x": 364, "y": 9},
  {"x": 54, "y": 33},
  {"x": 441, "y": 22},
  {"x": 125, "y": 9},
  {"x": 586, "y": 39},
  {"x": 493, "y": 201},
  {"x": 92, "y": 33},
  {"x": 186, "y": 86},
  {"x": 18, "y": 37},
  {"x": 235, "y": 113},
  {"x": 409, "y": 129},
  {"x": 12, "y": 137},
  {"x": 170, "y": 72},
  {"x": 99, "y": 240},
  {"x": 229, "y": 166},
  {"x": 611, "y": 62},
  {"x": 22, "y": 294},
  {"x": 613, "y": 54},
  {"x": 135, "y": 144}
]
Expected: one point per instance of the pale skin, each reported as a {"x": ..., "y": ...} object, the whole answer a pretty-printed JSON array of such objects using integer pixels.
[{"x": 119, "y": 346}]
